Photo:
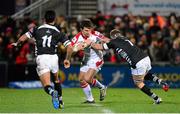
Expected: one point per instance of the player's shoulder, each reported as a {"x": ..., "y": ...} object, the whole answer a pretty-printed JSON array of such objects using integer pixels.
[
  {"x": 76, "y": 38},
  {"x": 97, "y": 34},
  {"x": 48, "y": 26}
]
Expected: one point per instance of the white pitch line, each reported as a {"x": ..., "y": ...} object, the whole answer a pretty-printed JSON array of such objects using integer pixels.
[
  {"x": 107, "y": 111},
  {"x": 104, "y": 110}
]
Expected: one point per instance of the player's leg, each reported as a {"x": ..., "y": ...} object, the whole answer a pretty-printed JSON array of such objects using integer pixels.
[
  {"x": 43, "y": 70},
  {"x": 54, "y": 66},
  {"x": 45, "y": 80},
  {"x": 89, "y": 77},
  {"x": 142, "y": 67},
  {"x": 58, "y": 88},
  {"x": 91, "y": 80},
  {"x": 154, "y": 78},
  {"x": 138, "y": 80},
  {"x": 86, "y": 87}
]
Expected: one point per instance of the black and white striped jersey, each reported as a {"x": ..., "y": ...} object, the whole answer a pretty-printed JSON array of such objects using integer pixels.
[
  {"x": 47, "y": 37},
  {"x": 126, "y": 50}
]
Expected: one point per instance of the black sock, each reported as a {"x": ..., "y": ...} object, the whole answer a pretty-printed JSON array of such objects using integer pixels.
[
  {"x": 148, "y": 92},
  {"x": 152, "y": 77},
  {"x": 48, "y": 89},
  {"x": 58, "y": 88}
]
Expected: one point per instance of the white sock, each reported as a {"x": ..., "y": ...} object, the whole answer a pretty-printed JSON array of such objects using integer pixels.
[
  {"x": 60, "y": 98},
  {"x": 88, "y": 93},
  {"x": 96, "y": 83}
]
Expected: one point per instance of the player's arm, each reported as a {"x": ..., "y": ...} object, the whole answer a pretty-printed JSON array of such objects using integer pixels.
[
  {"x": 24, "y": 37},
  {"x": 105, "y": 39},
  {"x": 97, "y": 46},
  {"x": 102, "y": 46},
  {"x": 77, "y": 45},
  {"x": 20, "y": 40},
  {"x": 66, "y": 42},
  {"x": 101, "y": 37},
  {"x": 69, "y": 52}
]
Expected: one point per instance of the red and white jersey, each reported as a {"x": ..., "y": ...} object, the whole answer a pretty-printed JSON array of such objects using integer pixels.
[{"x": 89, "y": 53}]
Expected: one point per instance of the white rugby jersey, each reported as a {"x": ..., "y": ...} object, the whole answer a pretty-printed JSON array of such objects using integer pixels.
[{"x": 89, "y": 53}]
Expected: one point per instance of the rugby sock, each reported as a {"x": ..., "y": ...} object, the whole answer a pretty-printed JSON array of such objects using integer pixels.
[
  {"x": 48, "y": 89},
  {"x": 153, "y": 77},
  {"x": 96, "y": 83},
  {"x": 87, "y": 90},
  {"x": 58, "y": 88},
  {"x": 148, "y": 92}
]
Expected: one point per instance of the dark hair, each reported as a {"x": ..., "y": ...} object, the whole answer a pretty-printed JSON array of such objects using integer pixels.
[
  {"x": 115, "y": 33},
  {"x": 86, "y": 23},
  {"x": 50, "y": 16}
]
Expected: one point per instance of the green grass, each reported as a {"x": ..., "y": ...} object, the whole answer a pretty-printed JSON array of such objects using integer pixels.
[{"x": 117, "y": 101}]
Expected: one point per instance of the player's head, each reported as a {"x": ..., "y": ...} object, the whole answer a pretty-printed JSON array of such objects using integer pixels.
[
  {"x": 86, "y": 23},
  {"x": 115, "y": 33},
  {"x": 86, "y": 27},
  {"x": 50, "y": 16}
]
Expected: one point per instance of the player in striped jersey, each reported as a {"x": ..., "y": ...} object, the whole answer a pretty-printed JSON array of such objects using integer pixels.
[{"x": 47, "y": 37}]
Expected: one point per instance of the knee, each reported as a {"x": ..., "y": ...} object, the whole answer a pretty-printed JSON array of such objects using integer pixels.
[
  {"x": 80, "y": 79},
  {"x": 83, "y": 84},
  {"x": 139, "y": 83}
]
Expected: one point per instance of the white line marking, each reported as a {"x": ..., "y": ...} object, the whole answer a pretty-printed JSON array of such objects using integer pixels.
[{"x": 104, "y": 110}]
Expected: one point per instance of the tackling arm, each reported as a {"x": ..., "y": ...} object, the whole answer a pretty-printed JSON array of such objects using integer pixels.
[{"x": 97, "y": 46}]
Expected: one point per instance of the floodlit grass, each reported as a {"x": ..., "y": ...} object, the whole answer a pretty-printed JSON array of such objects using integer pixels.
[{"x": 117, "y": 101}]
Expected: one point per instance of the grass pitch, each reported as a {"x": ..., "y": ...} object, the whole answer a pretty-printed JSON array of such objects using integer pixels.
[{"x": 117, "y": 101}]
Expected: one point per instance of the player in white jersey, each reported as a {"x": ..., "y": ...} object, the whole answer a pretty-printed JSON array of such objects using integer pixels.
[{"x": 92, "y": 60}]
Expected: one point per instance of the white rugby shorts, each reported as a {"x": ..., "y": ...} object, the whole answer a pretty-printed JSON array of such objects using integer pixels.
[
  {"x": 142, "y": 67},
  {"x": 92, "y": 63},
  {"x": 47, "y": 63}
]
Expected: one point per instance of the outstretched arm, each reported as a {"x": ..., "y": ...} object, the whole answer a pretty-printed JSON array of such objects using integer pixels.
[
  {"x": 97, "y": 46},
  {"x": 23, "y": 38},
  {"x": 105, "y": 39}
]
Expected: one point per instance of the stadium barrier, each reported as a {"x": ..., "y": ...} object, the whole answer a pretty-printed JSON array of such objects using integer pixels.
[{"x": 113, "y": 75}]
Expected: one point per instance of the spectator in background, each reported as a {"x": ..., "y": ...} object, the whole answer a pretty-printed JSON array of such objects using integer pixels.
[
  {"x": 99, "y": 20},
  {"x": 157, "y": 20},
  {"x": 112, "y": 56},
  {"x": 22, "y": 56},
  {"x": 143, "y": 44},
  {"x": 9, "y": 51},
  {"x": 62, "y": 23},
  {"x": 174, "y": 54},
  {"x": 172, "y": 19},
  {"x": 1, "y": 49}
]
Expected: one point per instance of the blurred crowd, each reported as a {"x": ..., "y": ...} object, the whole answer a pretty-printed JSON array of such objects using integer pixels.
[{"x": 159, "y": 36}]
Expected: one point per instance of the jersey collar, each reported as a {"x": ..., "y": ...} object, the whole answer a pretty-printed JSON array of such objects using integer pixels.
[{"x": 84, "y": 37}]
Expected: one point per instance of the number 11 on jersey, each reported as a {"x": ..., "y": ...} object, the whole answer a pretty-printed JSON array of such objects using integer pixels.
[{"x": 46, "y": 41}]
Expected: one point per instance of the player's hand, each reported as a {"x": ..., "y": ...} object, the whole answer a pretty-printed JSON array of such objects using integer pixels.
[
  {"x": 88, "y": 41},
  {"x": 67, "y": 63},
  {"x": 79, "y": 46},
  {"x": 14, "y": 44}
]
